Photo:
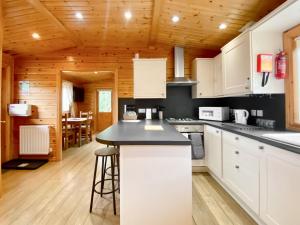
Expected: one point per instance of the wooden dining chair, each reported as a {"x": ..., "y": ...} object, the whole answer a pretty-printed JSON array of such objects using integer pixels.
[
  {"x": 68, "y": 133},
  {"x": 87, "y": 132}
]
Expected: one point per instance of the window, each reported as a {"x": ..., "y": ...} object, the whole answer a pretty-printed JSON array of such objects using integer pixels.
[
  {"x": 67, "y": 96},
  {"x": 292, "y": 83},
  {"x": 104, "y": 98}
]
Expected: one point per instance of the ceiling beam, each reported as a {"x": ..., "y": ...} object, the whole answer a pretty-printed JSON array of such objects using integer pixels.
[
  {"x": 156, "y": 11},
  {"x": 46, "y": 13}
]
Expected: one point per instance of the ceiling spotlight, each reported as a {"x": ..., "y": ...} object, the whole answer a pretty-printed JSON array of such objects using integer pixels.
[
  {"x": 79, "y": 16},
  {"x": 222, "y": 26},
  {"x": 175, "y": 19},
  {"x": 36, "y": 36},
  {"x": 128, "y": 15},
  {"x": 95, "y": 72}
]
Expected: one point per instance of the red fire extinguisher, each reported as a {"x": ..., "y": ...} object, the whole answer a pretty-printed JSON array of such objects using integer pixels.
[{"x": 280, "y": 65}]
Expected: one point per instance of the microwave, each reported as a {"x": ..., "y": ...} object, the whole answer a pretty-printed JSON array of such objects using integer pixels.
[{"x": 214, "y": 113}]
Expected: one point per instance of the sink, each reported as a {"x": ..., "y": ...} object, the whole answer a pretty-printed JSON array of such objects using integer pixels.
[
  {"x": 289, "y": 138},
  {"x": 131, "y": 121}
]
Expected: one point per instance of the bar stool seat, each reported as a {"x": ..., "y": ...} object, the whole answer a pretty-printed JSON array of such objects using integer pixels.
[{"x": 104, "y": 153}]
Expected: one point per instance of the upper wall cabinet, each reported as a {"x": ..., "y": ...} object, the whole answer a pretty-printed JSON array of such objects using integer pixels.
[
  {"x": 237, "y": 65},
  {"x": 218, "y": 76},
  {"x": 239, "y": 60},
  {"x": 203, "y": 72},
  {"x": 149, "y": 78}
]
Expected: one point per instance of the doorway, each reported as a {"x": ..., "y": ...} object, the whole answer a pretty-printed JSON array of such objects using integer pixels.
[
  {"x": 96, "y": 86},
  {"x": 104, "y": 109}
]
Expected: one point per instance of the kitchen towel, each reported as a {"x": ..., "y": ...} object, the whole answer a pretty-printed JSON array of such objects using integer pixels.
[{"x": 197, "y": 146}]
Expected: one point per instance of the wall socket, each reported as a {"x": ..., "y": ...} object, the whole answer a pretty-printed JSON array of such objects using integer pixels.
[
  {"x": 253, "y": 112},
  {"x": 260, "y": 113},
  {"x": 141, "y": 110}
]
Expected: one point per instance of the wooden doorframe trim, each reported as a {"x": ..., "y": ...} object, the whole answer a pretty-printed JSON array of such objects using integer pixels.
[
  {"x": 288, "y": 40},
  {"x": 59, "y": 104}
]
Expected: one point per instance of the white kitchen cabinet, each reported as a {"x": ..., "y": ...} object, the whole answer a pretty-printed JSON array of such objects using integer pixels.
[
  {"x": 241, "y": 163},
  {"x": 203, "y": 72},
  {"x": 236, "y": 58},
  {"x": 149, "y": 78},
  {"x": 218, "y": 76},
  {"x": 239, "y": 61},
  {"x": 280, "y": 187},
  {"x": 213, "y": 149}
]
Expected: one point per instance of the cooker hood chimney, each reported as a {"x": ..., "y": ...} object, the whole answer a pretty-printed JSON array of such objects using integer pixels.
[{"x": 179, "y": 79}]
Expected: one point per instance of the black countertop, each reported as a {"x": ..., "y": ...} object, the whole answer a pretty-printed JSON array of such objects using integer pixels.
[
  {"x": 134, "y": 133},
  {"x": 253, "y": 134}
]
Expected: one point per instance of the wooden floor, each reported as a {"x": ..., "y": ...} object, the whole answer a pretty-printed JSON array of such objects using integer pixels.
[{"x": 59, "y": 193}]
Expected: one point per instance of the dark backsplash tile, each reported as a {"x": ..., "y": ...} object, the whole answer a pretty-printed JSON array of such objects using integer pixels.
[{"x": 179, "y": 104}]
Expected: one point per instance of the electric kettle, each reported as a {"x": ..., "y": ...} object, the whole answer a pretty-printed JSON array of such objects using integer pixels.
[{"x": 241, "y": 116}]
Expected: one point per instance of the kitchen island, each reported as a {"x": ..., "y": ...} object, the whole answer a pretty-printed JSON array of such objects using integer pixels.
[{"x": 155, "y": 173}]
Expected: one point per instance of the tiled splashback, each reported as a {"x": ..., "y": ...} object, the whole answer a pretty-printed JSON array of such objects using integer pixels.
[{"x": 179, "y": 103}]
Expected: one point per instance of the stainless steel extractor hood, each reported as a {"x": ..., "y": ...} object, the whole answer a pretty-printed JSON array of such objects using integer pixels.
[{"x": 179, "y": 79}]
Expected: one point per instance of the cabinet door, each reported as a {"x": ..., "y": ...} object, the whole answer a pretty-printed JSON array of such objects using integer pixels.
[
  {"x": 280, "y": 187},
  {"x": 203, "y": 72},
  {"x": 218, "y": 76},
  {"x": 241, "y": 161},
  {"x": 149, "y": 78},
  {"x": 237, "y": 65},
  {"x": 213, "y": 149}
]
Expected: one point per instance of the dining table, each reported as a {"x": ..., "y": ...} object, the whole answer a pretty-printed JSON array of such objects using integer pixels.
[{"x": 77, "y": 122}]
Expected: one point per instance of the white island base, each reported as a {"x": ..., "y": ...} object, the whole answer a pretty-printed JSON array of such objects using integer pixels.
[{"x": 156, "y": 185}]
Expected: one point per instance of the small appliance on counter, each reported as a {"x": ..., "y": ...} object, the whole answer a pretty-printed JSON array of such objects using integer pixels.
[
  {"x": 241, "y": 116},
  {"x": 214, "y": 113},
  {"x": 149, "y": 114},
  {"x": 160, "y": 110},
  {"x": 129, "y": 112}
]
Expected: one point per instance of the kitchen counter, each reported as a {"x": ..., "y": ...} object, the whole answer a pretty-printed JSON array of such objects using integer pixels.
[
  {"x": 134, "y": 133},
  {"x": 253, "y": 134},
  {"x": 155, "y": 168}
]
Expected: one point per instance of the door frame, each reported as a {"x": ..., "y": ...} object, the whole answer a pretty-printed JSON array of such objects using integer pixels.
[{"x": 115, "y": 71}]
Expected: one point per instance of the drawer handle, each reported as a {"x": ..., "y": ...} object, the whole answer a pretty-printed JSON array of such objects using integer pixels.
[
  {"x": 236, "y": 138},
  {"x": 237, "y": 166},
  {"x": 237, "y": 152},
  {"x": 261, "y": 147},
  {"x": 217, "y": 131}
]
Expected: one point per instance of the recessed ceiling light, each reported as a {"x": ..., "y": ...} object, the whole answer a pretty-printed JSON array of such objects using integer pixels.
[
  {"x": 222, "y": 26},
  {"x": 95, "y": 72},
  {"x": 36, "y": 36},
  {"x": 175, "y": 19},
  {"x": 79, "y": 16},
  {"x": 128, "y": 15}
]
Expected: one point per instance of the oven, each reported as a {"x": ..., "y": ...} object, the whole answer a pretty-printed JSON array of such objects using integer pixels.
[{"x": 195, "y": 133}]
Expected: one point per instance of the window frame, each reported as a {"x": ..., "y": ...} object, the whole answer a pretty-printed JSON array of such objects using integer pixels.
[{"x": 291, "y": 108}]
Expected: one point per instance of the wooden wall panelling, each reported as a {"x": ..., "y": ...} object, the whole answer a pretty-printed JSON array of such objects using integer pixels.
[
  {"x": 1, "y": 50},
  {"x": 41, "y": 70}
]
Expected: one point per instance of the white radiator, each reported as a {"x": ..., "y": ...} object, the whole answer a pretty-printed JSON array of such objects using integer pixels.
[{"x": 34, "y": 140}]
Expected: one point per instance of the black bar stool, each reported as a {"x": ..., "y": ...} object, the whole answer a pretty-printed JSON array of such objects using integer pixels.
[{"x": 112, "y": 153}]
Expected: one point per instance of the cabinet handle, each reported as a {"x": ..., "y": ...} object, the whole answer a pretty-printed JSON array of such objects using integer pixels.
[
  {"x": 236, "y": 138},
  {"x": 237, "y": 152},
  {"x": 247, "y": 88},
  {"x": 237, "y": 166},
  {"x": 200, "y": 93},
  {"x": 217, "y": 131},
  {"x": 261, "y": 147}
]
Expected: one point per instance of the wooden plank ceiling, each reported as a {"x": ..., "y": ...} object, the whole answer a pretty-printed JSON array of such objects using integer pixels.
[
  {"x": 86, "y": 77},
  {"x": 103, "y": 23}
]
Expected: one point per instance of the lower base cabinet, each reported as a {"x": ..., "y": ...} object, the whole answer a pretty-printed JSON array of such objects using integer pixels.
[
  {"x": 241, "y": 159},
  {"x": 213, "y": 149},
  {"x": 280, "y": 187},
  {"x": 264, "y": 178}
]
